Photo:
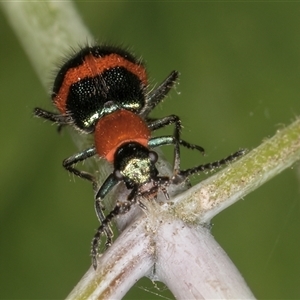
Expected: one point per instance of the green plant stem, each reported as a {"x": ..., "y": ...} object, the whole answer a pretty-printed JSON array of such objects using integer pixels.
[
  {"x": 47, "y": 30},
  {"x": 205, "y": 200}
]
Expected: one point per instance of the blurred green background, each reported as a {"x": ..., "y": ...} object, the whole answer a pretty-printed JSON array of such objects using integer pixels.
[{"x": 240, "y": 74}]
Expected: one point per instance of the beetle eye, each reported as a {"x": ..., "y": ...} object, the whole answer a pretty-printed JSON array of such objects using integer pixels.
[
  {"x": 118, "y": 175},
  {"x": 153, "y": 156}
]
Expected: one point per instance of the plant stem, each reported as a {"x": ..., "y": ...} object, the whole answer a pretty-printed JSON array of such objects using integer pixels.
[
  {"x": 47, "y": 31},
  {"x": 206, "y": 199}
]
